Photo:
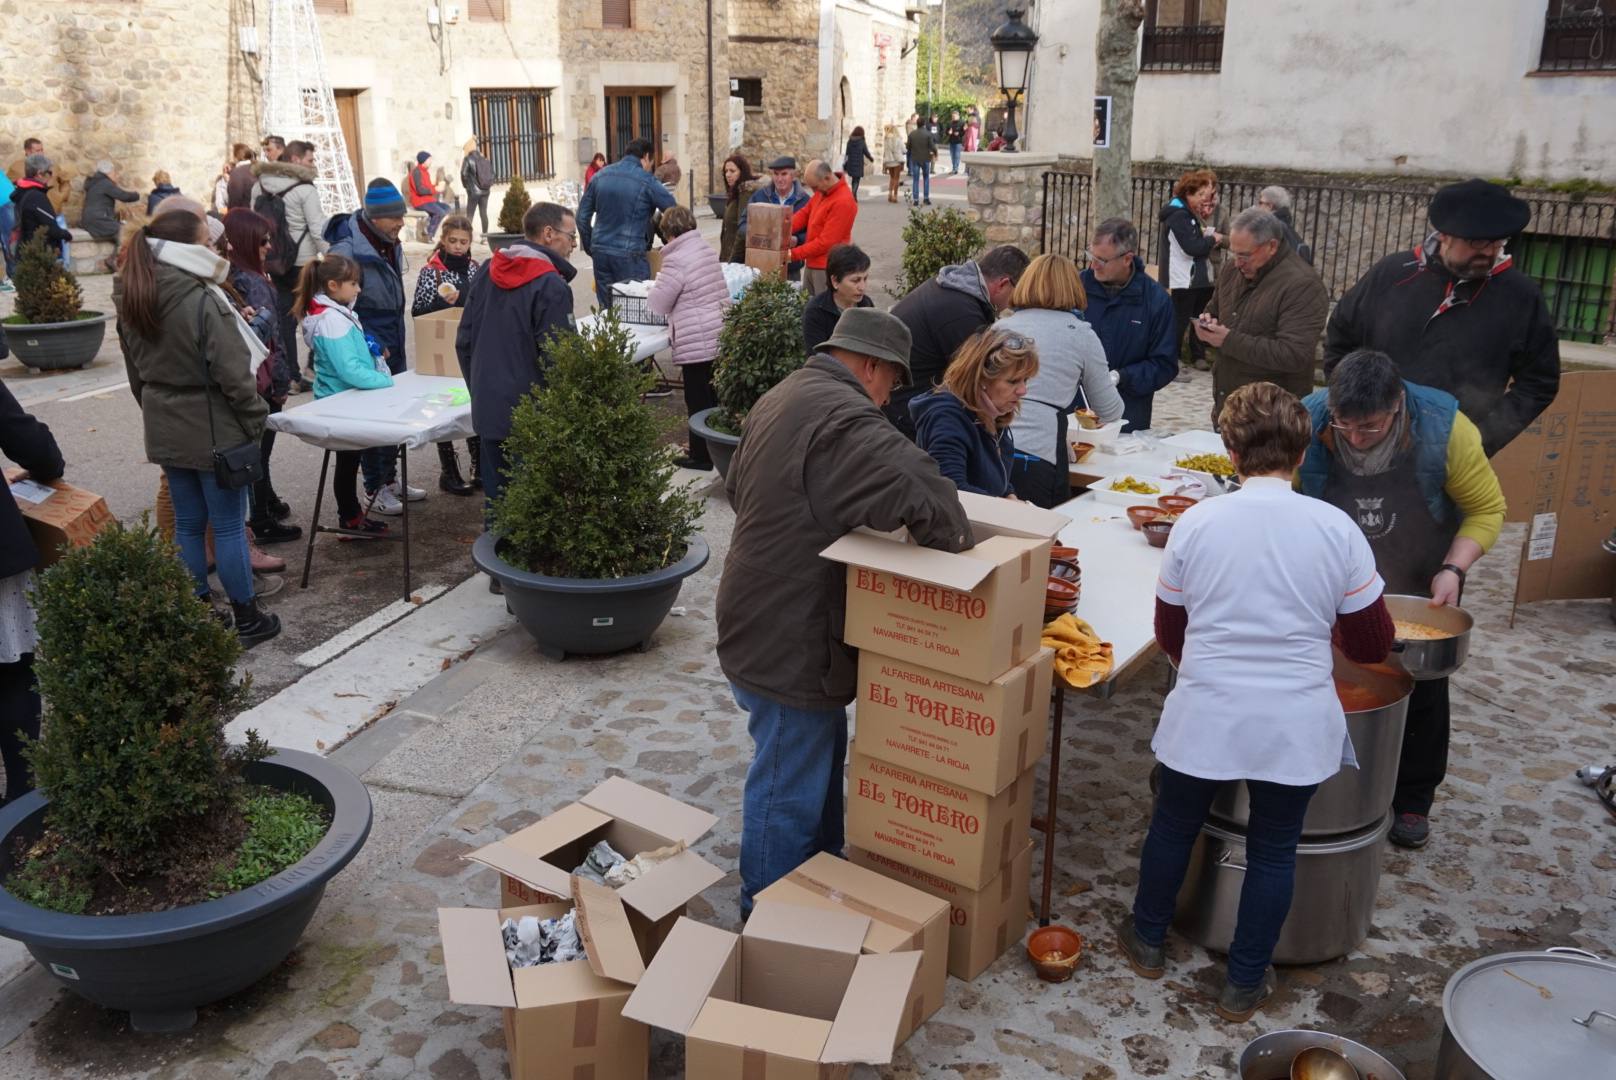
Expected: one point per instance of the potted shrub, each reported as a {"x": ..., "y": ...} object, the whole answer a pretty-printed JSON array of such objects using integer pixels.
[
  {"x": 158, "y": 868},
  {"x": 590, "y": 539},
  {"x": 933, "y": 239},
  {"x": 760, "y": 344},
  {"x": 511, "y": 210},
  {"x": 50, "y": 330}
]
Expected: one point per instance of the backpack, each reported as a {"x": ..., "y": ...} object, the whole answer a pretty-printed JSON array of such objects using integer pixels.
[
  {"x": 282, "y": 257},
  {"x": 485, "y": 173}
]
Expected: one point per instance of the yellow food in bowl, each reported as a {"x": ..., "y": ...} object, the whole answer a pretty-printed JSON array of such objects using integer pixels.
[
  {"x": 1413, "y": 631},
  {"x": 1216, "y": 464},
  {"x": 1134, "y": 487}
]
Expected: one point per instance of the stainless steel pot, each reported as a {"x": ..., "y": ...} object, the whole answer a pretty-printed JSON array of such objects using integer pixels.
[
  {"x": 1431, "y": 659},
  {"x": 1269, "y": 1057},
  {"x": 1526, "y": 1015},
  {"x": 1331, "y": 911},
  {"x": 1352, "y": 799}
]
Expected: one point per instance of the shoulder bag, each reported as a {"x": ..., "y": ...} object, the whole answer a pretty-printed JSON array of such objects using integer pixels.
[{"x": 234, "y": 467}]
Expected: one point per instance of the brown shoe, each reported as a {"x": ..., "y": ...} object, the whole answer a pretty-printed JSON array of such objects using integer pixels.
[{"x": 1147, "y": 961}]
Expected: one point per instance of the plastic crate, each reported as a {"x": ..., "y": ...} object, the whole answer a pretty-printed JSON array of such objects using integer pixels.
[{"x": 636, "y": 309}]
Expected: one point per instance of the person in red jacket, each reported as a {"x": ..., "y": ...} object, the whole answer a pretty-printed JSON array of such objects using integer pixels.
[
  {"x": 828, "y": 219},
  {"x": 423, "y": 193}
]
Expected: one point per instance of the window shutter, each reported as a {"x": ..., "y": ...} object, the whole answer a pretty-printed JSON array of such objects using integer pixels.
[
  {"x": 331, "y": 7},
  {"x": 616, "y": 14},
  {"x": 486, "y": 10}
]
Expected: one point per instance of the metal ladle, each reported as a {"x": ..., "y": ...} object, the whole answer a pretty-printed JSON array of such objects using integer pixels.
[{"x": 1320, "y": 1063}]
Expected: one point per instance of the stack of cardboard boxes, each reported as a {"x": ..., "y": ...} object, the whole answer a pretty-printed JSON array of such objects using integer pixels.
[
  {"x": 768, "y": 238},
  {"x": 951, "y": 717}
]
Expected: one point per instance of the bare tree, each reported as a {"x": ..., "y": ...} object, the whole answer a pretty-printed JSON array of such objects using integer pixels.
[{"x": 1116, "y": 71}]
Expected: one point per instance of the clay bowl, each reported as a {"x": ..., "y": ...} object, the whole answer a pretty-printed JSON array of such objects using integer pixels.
[
  {"x": 1175, "y": 504},
  {"x": 1053, "y": 951},
  {"x": 1081, "y": 452},
  {"x": 1063, "y": 554},
  {"x": 1068, "y": 570},
  {"x": 1156, "y": 532},
  {"x": 1141, "y": 514}
]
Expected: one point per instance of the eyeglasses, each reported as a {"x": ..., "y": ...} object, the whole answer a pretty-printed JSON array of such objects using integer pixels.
[
  {"x": 1359, "y": 429},
  {"x": 1245, "y": 256},
  {"x": 573, "y": 236},
  {"x": 1107, "y": 260}
]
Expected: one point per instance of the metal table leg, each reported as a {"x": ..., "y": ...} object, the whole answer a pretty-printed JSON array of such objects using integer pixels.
[
  {"x": 314, "y": 525},
  {"x": 404, "y": 486},
  {"x": 1047, "y": 824}
]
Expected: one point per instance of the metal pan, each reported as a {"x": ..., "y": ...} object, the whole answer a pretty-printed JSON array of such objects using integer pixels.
[{"x": 1431, "y": 659}]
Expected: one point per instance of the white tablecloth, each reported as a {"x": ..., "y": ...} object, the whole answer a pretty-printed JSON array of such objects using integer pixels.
[
  {"x": 648, "y": 340},
  {"x": 414, "y": 411}
]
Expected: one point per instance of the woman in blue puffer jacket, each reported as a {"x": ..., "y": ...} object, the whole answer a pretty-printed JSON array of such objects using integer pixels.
[{"x": 964, "y": 424}]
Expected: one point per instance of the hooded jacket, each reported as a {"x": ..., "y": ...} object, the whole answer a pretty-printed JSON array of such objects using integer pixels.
[
  {"x": 1183, "y": 249},
  {"x": 940, "y": 314},
  {"x": 964, "y": 450},
  {"x": 1491, "y": 342},
  {"x": 858, "y": 152},
  {"x": 157, "y": 195},
  {"x": 100, "y": 216},
  {"x": 259, "y": 294},
  {"x": 1135, "y": 327},
  {"x": 1274, "y": 325},
  {"x": 692, "y": 292},
  {"x": 35, "y": 213},
  {"x": 381, "y": 285},
  {"x": 826, "y": 221},
  {"x": 816, "y": 459},
  {"x": 305, "y": 216},
  {"x": 342, "y": 358},
  {"x": 517, "y": 301},
  {"x": 614, "y": 215}
]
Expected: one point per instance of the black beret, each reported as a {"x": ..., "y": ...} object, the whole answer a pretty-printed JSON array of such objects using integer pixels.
[{"x": 1478, "y": 210}]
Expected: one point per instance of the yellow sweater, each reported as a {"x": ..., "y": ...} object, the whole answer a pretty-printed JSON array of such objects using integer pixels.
[{"x": 1473, "y": 485}]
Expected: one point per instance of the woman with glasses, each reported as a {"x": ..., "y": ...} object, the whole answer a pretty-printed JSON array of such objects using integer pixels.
[
  {"x": 1252, "y": 587},
  {"x": 964, "y": 424},
  {"x": 1409, "y": 468},
  {"x": 1072, "y": 373}
]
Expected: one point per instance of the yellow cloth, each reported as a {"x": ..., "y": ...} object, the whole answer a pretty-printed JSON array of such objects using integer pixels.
[
  {"x": 1473, "y": 485},
  {"x": 1081, "y": 658}
]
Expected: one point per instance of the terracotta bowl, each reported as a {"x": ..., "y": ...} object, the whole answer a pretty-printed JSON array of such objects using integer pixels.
[
  {"x": 1081, "y": 452},
  {"x": 1068, "y": 570},
  {"x": 1141, "y": 514},
  {"x": 1064, "y": 554},
  {"x": 1053, "y": 951},
  {"x": 1156, "y": 532},
  {"x": 1175, "y": 504},
  {"x": 1058, "y": 590}
]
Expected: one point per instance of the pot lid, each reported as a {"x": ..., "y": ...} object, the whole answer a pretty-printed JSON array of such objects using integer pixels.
[{"x": 1535, "y": 1013}]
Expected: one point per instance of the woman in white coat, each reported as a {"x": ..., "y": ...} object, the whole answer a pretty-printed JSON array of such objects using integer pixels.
[{"x": 692, "y": 292}]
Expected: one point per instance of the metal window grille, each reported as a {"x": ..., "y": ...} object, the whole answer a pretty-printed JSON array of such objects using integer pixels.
[
  {"x": 514, "y": 128},
  {"x": 1182, "y": 35},
  {"x": 1578, "y": 42},
  {"x": 750, "y": 91}
]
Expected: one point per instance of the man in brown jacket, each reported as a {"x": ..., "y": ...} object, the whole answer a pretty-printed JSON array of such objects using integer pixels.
[
  {"x": 1264, "y": 321},
  {"x": 817, "y": 459}
]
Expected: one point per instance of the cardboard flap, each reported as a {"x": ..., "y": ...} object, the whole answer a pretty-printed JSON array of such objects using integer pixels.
[
  {"x": 778, "y": 1034},
  {"x": 958, "y": 572},
  {"x": 670, "y": 884},
  {"x": 836, "y": 930},
  {"x": 674, "y": 987},
  {"x": 543, "y": 985},
  {"x": 521, "y": 854},
  {"x": 474, "y": 957},
  {"x": 898, "y": 912},
  {"x": 608, "y": 940},
  {"x": 650, "y": 810},
  {"x": 866, "y": 1027},
  {"x": 1011, "y": 517}
]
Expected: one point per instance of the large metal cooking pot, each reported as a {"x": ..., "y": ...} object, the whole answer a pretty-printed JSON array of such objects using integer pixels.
[
  {"x": 1530, "y": 1015},
  {"x": 1331, "y": 911},
  {"x": 1352, "y": 799},
  {"x": 1435, "y": 659},
  {"x": 1268, "y": 1057}
]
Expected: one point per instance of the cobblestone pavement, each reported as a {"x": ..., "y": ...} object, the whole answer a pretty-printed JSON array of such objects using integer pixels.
[{"x": 1522, "y": 857}]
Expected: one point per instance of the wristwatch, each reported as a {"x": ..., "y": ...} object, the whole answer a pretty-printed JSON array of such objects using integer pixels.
[{"x": 1455, "y": 569}]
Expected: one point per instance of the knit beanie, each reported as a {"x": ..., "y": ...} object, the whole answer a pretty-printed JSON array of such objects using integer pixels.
[
  {"x": 382, "y": 200},
  {"x": 421, "y": 158}
]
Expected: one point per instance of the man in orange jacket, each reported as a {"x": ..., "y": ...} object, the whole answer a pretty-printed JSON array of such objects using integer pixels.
[{"x": 828, "y": 218}]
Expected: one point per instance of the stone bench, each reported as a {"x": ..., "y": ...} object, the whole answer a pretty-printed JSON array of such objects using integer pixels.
[{"x": 86, "y": 254}]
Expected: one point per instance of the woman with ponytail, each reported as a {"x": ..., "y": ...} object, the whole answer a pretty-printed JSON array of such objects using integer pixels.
[{"x": 191, "y": 363}]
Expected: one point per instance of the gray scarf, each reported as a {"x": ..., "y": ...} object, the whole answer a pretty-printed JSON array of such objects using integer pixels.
[{"x": 1378, "y": 458}]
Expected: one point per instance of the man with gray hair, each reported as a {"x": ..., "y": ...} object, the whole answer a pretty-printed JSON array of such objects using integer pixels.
[
  {"x": 35, "y": 213},
  {"x": 1277, "y": 201},
  {"x": 1133, "y": 318},
  {"x": 1264, "y": 321}
]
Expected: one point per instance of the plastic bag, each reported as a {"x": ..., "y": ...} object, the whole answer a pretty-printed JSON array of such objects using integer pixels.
[{"x": 600, "y": 860}]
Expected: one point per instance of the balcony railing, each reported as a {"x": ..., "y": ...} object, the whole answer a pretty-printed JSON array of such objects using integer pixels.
[
  {"x": 1182, "y": 48},
  {"x": 1579, "y": 43}
]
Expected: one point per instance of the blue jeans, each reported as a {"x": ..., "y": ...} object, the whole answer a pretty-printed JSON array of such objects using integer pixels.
[
  {"x": 954, "y": 155},
  {"x": 199, "y": 501},
  {"x": 916, "y": 171},
  {"x": 1182, "y": 803},
  {"x": 8, "y": 221},
  {"x": 792, "y": 805},
  {"x": 611, "y": 268},
  {"x": 435, "y": 212}
]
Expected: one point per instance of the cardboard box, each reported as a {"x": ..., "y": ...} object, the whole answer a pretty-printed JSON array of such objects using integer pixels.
[
  {"x": 562, "y": 1021},
  {"x": 901, "y": 919},
  {"x": 536, "y": 863},
  {"x": 768, "y": 227},
  {"x": 768, "y": 263},
  {"x": 792, "y": 997},
  {"x": 981, "y": 735},
  {"x": 976, "y": 614},
  {"x": 435, "y": 343},
  {"x": 983, "y": 922},
  {"x": 958, "y": 834},
  {"x": 59, "y": 515}
]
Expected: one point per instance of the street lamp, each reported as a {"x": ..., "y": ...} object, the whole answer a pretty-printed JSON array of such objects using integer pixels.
[{"x": 1012, "y": 55}]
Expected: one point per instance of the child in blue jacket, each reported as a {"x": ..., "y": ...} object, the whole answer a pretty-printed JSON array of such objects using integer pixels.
[{"x": 344, "y": 358}]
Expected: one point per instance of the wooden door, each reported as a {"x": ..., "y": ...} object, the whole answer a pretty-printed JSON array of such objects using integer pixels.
[
  {"x": 633, "y": 113},
  {"x": 348, "y": 119}
]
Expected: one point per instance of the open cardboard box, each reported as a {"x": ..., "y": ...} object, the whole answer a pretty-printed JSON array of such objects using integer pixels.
[
  {"x": 976, "y": 614},
  {"x": 981, "y": 735},
  {"x": 435, "y": 343},
  {"x": 901, "y": 919},
  {"x": 536, "y": 863},
  {"x": 792, "y": 997},
  {"x": 561, "y": 1020}
]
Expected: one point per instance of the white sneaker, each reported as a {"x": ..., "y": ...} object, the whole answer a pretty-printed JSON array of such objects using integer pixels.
[
  {"x": 385, "y": 502},
  {"x": 415, "y": 494}
]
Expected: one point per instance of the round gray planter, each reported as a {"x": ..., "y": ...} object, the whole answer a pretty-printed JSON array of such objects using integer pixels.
[
  {"x": 58, "y": 346},
  {"x": 498, "y": 241},
  {"x": 718, "y": 203},
  {"x": 160, "y": 966},
  {"x": 721, "y": 445},
  {"x": 587, "y": 616}
]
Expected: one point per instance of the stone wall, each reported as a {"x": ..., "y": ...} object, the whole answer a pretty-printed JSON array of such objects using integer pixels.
[{"x": 1005, "y": 195}]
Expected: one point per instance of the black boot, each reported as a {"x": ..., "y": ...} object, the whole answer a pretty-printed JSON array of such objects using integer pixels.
[
  {"x": 474, "y": 446},
  {"x": 253, "y": 624},
  {"x": 218, "y": 610},
  {"x": 266, "y": 530},
  {"x": 450, "y": 479}
]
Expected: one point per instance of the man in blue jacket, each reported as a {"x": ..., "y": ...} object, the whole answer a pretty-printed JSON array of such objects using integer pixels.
[
  {"x": 786, "y": 190},
  {"x": 614, "y": 219},
  {"x": 1133, "y": 317}
]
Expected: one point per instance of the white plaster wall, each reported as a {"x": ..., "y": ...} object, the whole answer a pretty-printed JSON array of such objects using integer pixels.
[{"x": 1356, "y": 86}]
